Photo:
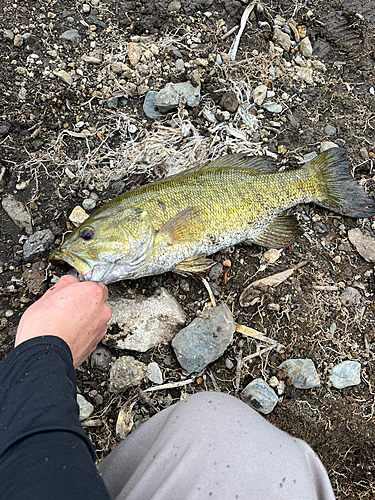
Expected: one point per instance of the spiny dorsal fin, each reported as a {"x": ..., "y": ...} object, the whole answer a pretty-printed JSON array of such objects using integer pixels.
[
  {"x": 282, "y": 232},
  {"x": 181, "y": 227},
  {"x": 195, "y": 265}
]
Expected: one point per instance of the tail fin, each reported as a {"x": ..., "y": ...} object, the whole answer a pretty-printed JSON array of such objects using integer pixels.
[{"x": 338, "y": 190}]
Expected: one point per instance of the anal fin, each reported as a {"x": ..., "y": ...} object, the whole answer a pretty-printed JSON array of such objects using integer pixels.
[
  {"x": 282, "y": 232},
  {"x": 195, "y": 265}
]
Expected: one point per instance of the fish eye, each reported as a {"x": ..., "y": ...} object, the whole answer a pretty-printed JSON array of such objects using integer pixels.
[{"x": 87, "y": 233}]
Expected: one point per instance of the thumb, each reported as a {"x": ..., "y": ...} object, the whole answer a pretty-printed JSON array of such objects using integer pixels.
[{"x": 64, "y": 282}]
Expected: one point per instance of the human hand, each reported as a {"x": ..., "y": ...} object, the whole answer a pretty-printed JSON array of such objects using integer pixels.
[{"x": 74, "y": 311}]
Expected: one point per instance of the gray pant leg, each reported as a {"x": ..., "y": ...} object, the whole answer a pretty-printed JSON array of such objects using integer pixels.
[{"x": 213, "y": 446}]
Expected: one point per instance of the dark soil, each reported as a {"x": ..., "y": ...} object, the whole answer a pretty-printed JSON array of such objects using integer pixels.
[{"x": 311, "y": 323}]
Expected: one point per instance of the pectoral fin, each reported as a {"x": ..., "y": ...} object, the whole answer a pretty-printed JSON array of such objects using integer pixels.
[
  {"x": 182, "y": 227},
  {"x": 282, "y": 232},
  {"x": 197, "y": 264}
]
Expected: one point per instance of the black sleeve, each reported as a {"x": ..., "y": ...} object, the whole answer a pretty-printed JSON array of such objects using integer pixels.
[{"x": 44, "y": 453}]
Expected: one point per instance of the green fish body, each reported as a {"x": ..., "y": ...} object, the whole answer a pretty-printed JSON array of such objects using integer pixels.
[{"x": 175, "y": 223}]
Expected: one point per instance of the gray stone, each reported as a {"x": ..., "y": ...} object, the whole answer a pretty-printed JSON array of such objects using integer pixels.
[
  {"x": 112, "y": 103},
  {"x": 86, "y": 8},
  {"x": 8, "y": 34},
  {"x": 175, "y": 94},
  {"x": 4, "y": 128},
  {"x": 37, "y": 243},
  {"x": 305, "y": 74},
  {"x": 91, "y": 59},
  {"x": 364, "y": 244},
  {"x": 325, "y": 145},
  {"x": 126, "y": 372},
  {"x": 18, "y": 213},
  {"x": 85, "y": 408},
  {"x": 101, "y": 358},
  {"x": 319, "y": 66},
  {"x": 64, "y": 76},
  {"x": 282, "y": 39},
  {"x": 305, "y": 47},
  {"x": 329, "y": 130},
  {"x": 149, "y": 108},
  {"x": 180, "y": 65},
  {"x": 260, "y": 94},
  {"x": 260, "y": 396},
  {"x": 72, "y": 37},
  {"x": 229, "y": 102},
  {"x": 345, "y": 374},
  {"x": 364, "y": 154},
  {"x": 88, "y": 204},
  {"x": 302, "y": 372},
  {"x": 174, "y": 6},
  {"x": 350, "y": 297},
  {"x": 145, "y": 322},
  {"x": 205, "y": 339},
  {"x": 154, "y": 373},
  {"x": 272, "y": 107},
  {"x": 229, "y": 364},
  {"x": 219, "y": 60},
  {"x": 216, "y": 271},
  {"x": 208, "y": 116}
]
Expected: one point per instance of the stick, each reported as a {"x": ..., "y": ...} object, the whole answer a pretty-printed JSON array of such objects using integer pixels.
[
  {"x": 213, "y": 301},
  {"x": 258, "y": 353},
  {"x": 230, "y": 32},
  {"x": 171, "y": 385},
  {"x": 233, "y": 50},
  {"x": 250, "y": 332}
]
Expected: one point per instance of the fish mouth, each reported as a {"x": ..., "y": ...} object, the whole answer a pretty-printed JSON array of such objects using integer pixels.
[{"x": 66, "y": 261}]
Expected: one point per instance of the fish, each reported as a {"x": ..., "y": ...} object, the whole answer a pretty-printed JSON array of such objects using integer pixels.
[{"x": 176, "y": 223}]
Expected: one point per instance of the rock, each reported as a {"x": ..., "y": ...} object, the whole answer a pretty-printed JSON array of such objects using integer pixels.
[
  {"x": 91, "y": 19},
  {"x": 174, "y": 6},
  {"x": 229, "y": 364},
  {"x": 85, "y": 408},
  {"x": 64, "y": 76},
  {"x": 205, "y": 339},
  {"x": 180, "y": 65},
  {"x": 259, "y": 396},
  {"x": 305, "y": 47},
  {"x": 364, "y": 244},
  {"x": 37, "y": 243},
  {"x": 154, "y": 373},
  {"x": 282, "y": 39},
  {"x": 272, "y": 107},
  {"x": 362, "y": 152},
  {"x": 86, "y": 8},
  {"x": 4, "y": 128},
  {"x": 216, "y": 271},
  {"x": 260, "y": 94},
  {"x": 319, "y": 66},
  {"x": 298, "y": 60},
  {"x": 145, "y": 322},
  {"x": 35, "y": 278},
  {"x": 345, "y": 374},
  {"x": 117, "y": 67},
  {"x": 350, "y": 297},
  {"x": 302, "y": 372},
  {"x": 134, "y": 53},
  {"x": 329, "y": 130},
  {"x": 8, "y": 34},
  {"x": 91, "y": 59},
  {"x": 18, "y": 213},
  {"x": 78, "y": 216},
  {"x": 101, "y": 358},
  {"x": 112, "y": 103},
  {"x": 305, "y": 74},
  {"x": 327, "y": 145},
  {"x": 88, "y": 204},
  {"x": 72, "y": 37},
  {"x": 126, "y": 372},
  {"x": 208, "y": 115},
  {"x": 18, "y": 41},
  {"x": 272, "y": 255},
  {"x": 149, "y": 108},
  {"x": 175, "y": 93},
  {"x": 229, "y": 102}
]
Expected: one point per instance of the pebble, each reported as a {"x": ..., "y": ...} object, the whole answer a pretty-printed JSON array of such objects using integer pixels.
[
  {"x": 302, "y": 372},
  {"x": 72, "y": 37},
  {"x": 229, "y": 102},
  {"x": 85, "y": 408},
  {"x": 154, "y": 373},
  {"x": 134, "y": 53},
  {"x": 219, "y": 60},
  {"x": 18, "y": 213},
  {"x": 144, "y": 322},
  {"x": 101, "y": 358},
  {"x": 205, "y": 339},
  {"x": 4, "y": 128},
  {"x": 350, "y": 297},
  {"x": 282, "y": 39},
  {"x": 174, "y": 6},
  {"x": 229, "y": 364},
  {"x": 305, "y": 74},
  {"x": 259, "y": 396},
  {"x": 88, "y": 204},
  {"x": 327, "y": 145},
  {"x": 208, "y": 115},
  {"x": 345, "y": 374},
  {"x": 126, "y": 372},
  {"x": 272, "y": 107},
  {"x": 149, "y": 108},
  {"x": 260, "y": 94},
  {"x": 272, "y": 255},
  {"x": 8, "y": 34},
  {"x": 37, "y": 243},
  {"x": 9, "y": 313},
  {"x": 216, "y": 271},
  {"x": 330, "y": 130},
  {"x": 364, "y": 154},
  {"x": 91, "y": 59},
  {"x": 180, "y": 65},
  {"x": 86, "y": 8},
  {"x": 364, "y": 244},
  {"x": 112, "y": 103},
  {"x": 78, "y": 216},
  {"x": 18, "y": 41},
  {"x": 64, "y": 76},
  {"x": 305, "y": 47},
  {"x": 170, "y": 96}
]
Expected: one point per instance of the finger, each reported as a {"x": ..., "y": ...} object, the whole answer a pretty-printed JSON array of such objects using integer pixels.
[{"x": 64, "y": 281}]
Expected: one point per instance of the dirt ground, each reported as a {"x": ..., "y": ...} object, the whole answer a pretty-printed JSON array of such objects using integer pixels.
[{"x": 48, "y": 164}]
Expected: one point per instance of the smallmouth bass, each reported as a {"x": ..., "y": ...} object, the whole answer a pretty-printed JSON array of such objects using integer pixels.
[{"x": 173, "y": 224}]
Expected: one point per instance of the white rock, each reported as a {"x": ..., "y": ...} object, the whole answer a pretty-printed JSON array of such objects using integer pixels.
[
  {"x": 327, "y": 145},
  {"x": 306, "y": 48},
  {"x": 18, "y": 213},
  {"x": 260, "y": 94},
  {"x": 145, "y": 322},
  {"x": 154, "y": 373},
  {"x": 85, "y": 408},
  {"x": 78, "y": 216}
]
